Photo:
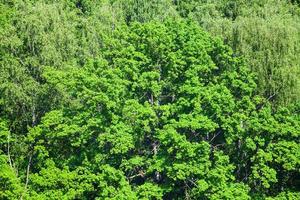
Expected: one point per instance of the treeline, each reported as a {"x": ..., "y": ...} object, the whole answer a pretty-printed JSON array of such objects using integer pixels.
[{"x": 140, "y": 99}]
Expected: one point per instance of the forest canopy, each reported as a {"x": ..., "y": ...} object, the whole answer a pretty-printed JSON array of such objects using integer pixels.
[{"x": 140, "y": 99}]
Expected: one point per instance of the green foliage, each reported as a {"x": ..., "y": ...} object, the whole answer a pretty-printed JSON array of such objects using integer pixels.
[
  {"x": 265, "y": 32},
  {"x": 127, "y": 100},
  {"x": 287, "y": 196},
  {"x": 145, "y": 11},
  {"x": 9, "y": 182}
]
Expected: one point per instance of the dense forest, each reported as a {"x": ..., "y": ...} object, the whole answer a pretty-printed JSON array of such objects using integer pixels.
[{"x": 150, "y": 99}]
